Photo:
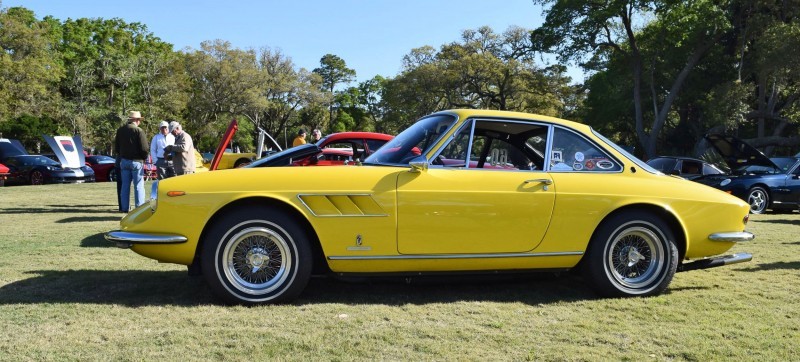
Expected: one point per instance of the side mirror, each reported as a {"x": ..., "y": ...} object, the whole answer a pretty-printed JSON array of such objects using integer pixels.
[{"x": 419, "y": 164}]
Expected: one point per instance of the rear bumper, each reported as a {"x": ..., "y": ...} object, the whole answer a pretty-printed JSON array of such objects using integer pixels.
[
  {"x": 125, "y": 239},
  {"x": 716, "y": 262},
  {"x": 732, "y": 237}
]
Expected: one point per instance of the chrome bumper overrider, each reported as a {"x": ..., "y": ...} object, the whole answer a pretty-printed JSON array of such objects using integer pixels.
[
  {"x": 125, "y": 239},
  {"x": 716, "y": 262},
  {"x": 732, "y": 237}
]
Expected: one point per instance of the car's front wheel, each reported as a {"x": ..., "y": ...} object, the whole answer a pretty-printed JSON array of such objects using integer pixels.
[
  {"x": 632, "y": 254},
  {"x": 112, "y": 175},
  {"x": 37, "y": 177},
  {"x": 758, "y": 198},
  {"x": 256, "y": 255}
]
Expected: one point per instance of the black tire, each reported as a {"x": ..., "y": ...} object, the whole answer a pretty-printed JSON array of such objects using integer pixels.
[
  {"x": 37, "y": 177},
  {"x": 241, "y": 163},
  {"x": 256, "y": 255},
  {"x": 112, "y": 175},
  {"x": 631, "y": 254},
  {"x": 758, "y": 198}
]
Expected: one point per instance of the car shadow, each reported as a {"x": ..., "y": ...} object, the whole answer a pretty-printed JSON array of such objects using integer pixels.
[
  {"x": 780, "y": 221},
  {"x": 96, "y": 241},
  {"x": 31, "y": 210},
  {"x": 88, "y": 219},
  {"x": 147, "y": 288}
]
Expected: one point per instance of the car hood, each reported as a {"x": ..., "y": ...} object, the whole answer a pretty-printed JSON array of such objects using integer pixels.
[
  {"x": 288, "y": 156},
  {"x": 738, "y": 154}
]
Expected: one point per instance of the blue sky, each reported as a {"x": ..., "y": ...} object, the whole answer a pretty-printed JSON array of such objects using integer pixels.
[{"x": 371, "y": 36}]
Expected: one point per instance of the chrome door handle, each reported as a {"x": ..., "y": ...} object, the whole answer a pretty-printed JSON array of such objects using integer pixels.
[{"x": 545, "y": 181}]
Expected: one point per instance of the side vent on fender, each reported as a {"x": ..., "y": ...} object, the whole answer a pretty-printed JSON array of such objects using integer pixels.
[{"x": 339, "y": 205}]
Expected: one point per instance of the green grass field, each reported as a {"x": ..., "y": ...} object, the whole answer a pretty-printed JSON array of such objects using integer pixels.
[{"x": 67, "y": 294}]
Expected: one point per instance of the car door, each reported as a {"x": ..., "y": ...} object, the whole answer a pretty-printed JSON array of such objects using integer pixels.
[{"x": 485, "y": 191}]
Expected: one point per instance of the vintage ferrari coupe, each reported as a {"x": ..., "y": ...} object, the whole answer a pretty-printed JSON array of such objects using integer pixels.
[{"x": 470, "y": 191}]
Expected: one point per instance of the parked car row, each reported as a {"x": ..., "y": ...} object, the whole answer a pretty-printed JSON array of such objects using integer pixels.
[{"x": 765, "y": 183}]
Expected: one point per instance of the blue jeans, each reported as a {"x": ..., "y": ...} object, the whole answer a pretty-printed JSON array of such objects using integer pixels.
[{"x": 132, "y": 171}]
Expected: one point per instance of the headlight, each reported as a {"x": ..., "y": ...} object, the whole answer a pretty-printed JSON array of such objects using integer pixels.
[
  {"x": 154, "y": 196},
  {"x": 725, "y": 182}
]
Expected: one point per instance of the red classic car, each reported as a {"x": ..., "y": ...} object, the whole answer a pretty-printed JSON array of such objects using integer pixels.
[
  {"x": 103, "y": 167},
  {"x": 335, "y": 149}
]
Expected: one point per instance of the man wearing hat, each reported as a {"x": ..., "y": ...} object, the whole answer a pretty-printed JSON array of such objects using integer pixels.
[
  {"x": 300, "y": 139},
  {"x": 182, "y": 150},
  {"x": 130, "y": 145},
  {"x": 162, "y": 139}
]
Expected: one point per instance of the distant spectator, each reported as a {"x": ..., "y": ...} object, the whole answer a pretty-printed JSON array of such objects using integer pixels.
[
  {"x": 316, "y": 135},
  {"x": 300, "y": 139},
  {"x": 130, "y": 145},
  {"x": 161, "y": 140},
  {"x": 182, "y": 151}
]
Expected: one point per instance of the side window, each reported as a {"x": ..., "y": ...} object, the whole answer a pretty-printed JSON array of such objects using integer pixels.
[
  {"x": 345, "y": 150},
  {"x": 571, "y": 152},
  {"x": 690, "y": 168},
  {"x": 496, "y": 145},
  {"x": 455, "y": 153}
]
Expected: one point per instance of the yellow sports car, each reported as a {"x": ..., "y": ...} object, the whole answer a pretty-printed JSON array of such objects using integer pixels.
[{"x": 460, "y": 191}]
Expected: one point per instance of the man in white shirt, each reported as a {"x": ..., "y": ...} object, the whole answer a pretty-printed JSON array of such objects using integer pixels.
[{"x": 161, "y": 140}]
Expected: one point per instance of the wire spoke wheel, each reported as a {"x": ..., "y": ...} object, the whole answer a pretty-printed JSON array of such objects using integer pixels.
[
  {"x": 255, "y": 260},
  {"x": 633, "y": 253},
  {"x": 635, "y": 257},
  {"x": 255, "y": 254}
]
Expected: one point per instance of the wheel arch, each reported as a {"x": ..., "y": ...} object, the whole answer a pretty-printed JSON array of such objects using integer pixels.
[
  {"x": 666, "y": 215},
  {"x": 320, "y": 266}
]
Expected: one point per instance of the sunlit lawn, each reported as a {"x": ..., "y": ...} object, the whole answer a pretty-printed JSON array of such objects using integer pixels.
[{"x": 67, "y": 294}]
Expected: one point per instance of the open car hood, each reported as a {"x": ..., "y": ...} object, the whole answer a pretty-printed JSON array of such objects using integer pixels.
[
  {"x": 69, "y": 150},
  {"x": 738, "y": 154},
  {"x": 288, "y": 156}
]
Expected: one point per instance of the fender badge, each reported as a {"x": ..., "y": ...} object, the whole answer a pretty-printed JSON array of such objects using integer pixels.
[{"x": 358, "y": 246}]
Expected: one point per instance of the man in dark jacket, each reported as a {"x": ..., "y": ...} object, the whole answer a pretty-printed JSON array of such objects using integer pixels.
[{"x": 130, "y": 145}]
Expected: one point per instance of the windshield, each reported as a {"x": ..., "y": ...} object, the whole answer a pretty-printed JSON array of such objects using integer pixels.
[
  {"x": 414, "y": 141},
  {"x": 287, "y": 156}
]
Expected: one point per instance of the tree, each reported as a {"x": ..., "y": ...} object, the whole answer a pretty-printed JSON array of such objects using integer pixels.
[
  {"x": 334, "y": 71},
  {"x": 576, "y": 30},
  {"x": 29, "y": 65}
]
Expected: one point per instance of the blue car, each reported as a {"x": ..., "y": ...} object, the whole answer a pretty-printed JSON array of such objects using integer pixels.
[{"x": 765, "y": 183}]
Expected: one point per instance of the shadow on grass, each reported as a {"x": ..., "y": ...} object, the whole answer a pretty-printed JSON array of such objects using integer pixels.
[
  {"x": 780, "y": 221},
  {"x": 145, "y": 288},
  {"x": 40, "y": 210},
  {"x": 780, "y": 265},
  {"x": 96, "y": 241},
  {"x": 129, "y": 288},
  {"x": 88, "y": 219}
]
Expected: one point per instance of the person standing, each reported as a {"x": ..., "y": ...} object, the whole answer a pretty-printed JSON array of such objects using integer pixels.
[
  {"x": 182, "y": 150},
  {"x": 316, "y": 135},
  {"x": 130, "y": 144},
  {"x": 300, "y": 139},
  {"x": 162, "y": 139}
]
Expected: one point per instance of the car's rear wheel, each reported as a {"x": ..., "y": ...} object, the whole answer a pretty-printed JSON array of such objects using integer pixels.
[
  {"x": 632, "y": 254},
  {"x": 37, "y": 178},
  {"x": 112, "y": 175},
  {"x": 256, "y": 255},
  {"x": 758, "y": 198}
]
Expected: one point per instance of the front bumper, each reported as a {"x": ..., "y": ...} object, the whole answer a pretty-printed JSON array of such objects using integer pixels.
[{"x": 125, "y": 239}]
